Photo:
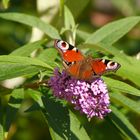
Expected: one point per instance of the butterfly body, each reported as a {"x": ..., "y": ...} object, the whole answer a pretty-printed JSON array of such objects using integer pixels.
[{"x": 82, "y": 67}]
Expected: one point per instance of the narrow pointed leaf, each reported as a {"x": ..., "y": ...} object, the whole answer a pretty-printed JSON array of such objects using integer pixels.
[
  {"x": 14, "y": 66},
  {"x": 77, "y": 129},
  {"x": 32, "y": 21},
  {"x": 77, "y": 6},
  {"x": 1, "y": 131},
  {"x": 129, "y": 69},
  {"x": 113, "y": 31},
  {"x": 48, "y": 55},
  {"x": 121, "y": 86},
  {"x": 123, "y": 124},
  {"x": 35, "y": 95},
  {"x": 27, "y": 49},
  {"x": 23, "y": 60},
  {"x": 125, "y": 101},
  {"x": 68, "y": 19},
  {"x": 63, "y": 124},
  {"x": 8, "y": 70}
]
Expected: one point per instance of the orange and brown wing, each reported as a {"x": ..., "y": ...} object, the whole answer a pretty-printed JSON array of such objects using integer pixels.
[
  {"x": 68, "y": 52},
  {"x": 98, "y": 67},
  {"x": 81, "y": 70},
  {"x": 74, "y": 69},
  {"x": 101, "y": 66},
  {"x": 72, "y": 56}
]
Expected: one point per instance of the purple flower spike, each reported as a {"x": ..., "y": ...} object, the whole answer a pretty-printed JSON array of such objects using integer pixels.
[{"x": 89, "y": 97}]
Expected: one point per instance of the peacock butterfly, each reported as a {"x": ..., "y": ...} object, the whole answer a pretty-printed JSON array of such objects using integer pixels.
[{"x": 81, "y": 67}]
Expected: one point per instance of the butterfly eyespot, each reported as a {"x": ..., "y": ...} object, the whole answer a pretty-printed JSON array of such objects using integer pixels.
[
  {"x": 111, "y": 65},
  {"x": 63, "y": 45}
]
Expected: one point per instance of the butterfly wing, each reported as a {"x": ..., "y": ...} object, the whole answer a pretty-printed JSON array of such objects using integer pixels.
[
  {"x": 91, "y": 68},
  {"x": 101, "y": 66},
  {"x": 79, "y": 66},
  {"x": 81, "y": 70},
  {"x": 69, "y": 53}
]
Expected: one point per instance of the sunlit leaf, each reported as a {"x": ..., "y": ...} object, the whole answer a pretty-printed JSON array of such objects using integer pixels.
[
  {"x": 23, "y": 61},
  {"x": 1, "y": 132},
  {"x": 100, "y": 47},
  {"x": 113, "y": 31},
  {"x": 27, "y": 49},
  {"x": 61, "y": 6},
  {"x": 13, "y": 66},
  {"x": 35, "y": 95},
  {"x": 77, "y": 129},
  {"x": 32, "y": 21},
  {"x": 125, "y": 101},
  {"x": 48, "y": 55},
  {"x": 68, "y": 19},
  {"x": 82, "y": 34},
  {"x": 129, "y": 69},
  {"x": 9, "y": 70},
  {"x": 5, "y": 3},
  {"x": 121, "y": 86},
  {"x": 69, "y": 26}
]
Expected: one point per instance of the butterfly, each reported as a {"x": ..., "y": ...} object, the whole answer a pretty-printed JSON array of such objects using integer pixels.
[{"x": 81, "y": 67}]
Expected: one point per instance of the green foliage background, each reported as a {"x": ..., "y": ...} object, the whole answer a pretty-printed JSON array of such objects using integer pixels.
[{"x": 108, "y": 29}]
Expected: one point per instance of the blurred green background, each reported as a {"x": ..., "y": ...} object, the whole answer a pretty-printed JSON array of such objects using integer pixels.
[{"x": 90, "y": 15}]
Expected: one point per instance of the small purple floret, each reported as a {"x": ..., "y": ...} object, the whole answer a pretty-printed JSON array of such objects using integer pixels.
[{"x": 89, "y": 97}]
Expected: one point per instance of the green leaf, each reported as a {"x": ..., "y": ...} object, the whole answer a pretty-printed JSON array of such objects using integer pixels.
[
  {"x": 102, "y": 47},
  {"x": 57, "y": 117},
  {"x": 123, "y": 124},
  {"x": 1, "y": 121},
  {"x": 11, "y": 70},
  {"x": 70, "y": 27},
  {"x": 61, "y": 6},
  {"x": 4, "y": 91},
  {"x": 129, "y": 69},
  {"x": 82, "y": 34},
  {"x": 68, "y": 19},
  {"x": 16, "y": 98},
  {"x": 14, "y": 104},
  {"x": 113, "y": 31},
  {"x": 121, "y": 86},
  {"x": 13, "y": 66},
  {"x": 63, "y": 124},
  {"x": 124, "y": 4},
  {"x": 18, "y": 93},
  {"x": 27, "y": 49},
  {"x": 5, "y": 3},
  {"x": 108, "y": 35},
  {"x": 32, "y": 21},
  {"x": 1, "y": 132},
  {"x": 23, "y": 61},
  {"x": 35, "y": 95},
  {"x": 48, "y": 55},
  {"x": 125, "y": 101},
  {"x": 77, "y": 128},
  {"x": 77, "y": 6}
]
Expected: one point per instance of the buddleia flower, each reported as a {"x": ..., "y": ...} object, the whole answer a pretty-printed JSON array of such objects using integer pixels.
[{"x": 89, "y": 97}]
